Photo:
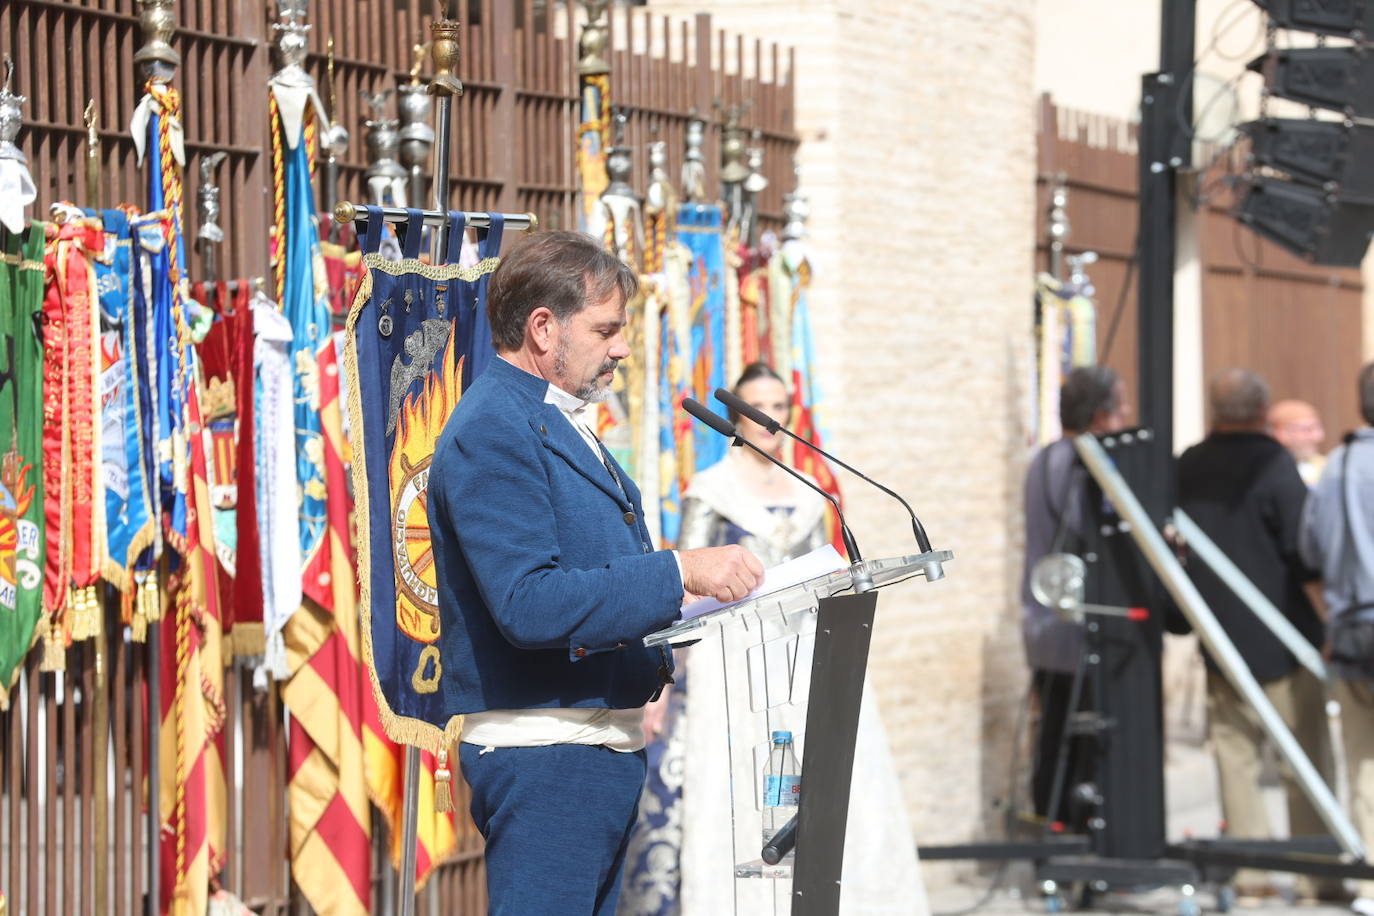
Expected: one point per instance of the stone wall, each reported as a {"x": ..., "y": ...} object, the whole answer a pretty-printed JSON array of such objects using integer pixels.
[{"x": 918, "y": 157}]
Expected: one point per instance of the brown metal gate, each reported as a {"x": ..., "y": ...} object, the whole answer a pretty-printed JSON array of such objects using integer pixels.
[
  {"x": 1297, "y": 324},
  {"x": 512, "y": 150}
]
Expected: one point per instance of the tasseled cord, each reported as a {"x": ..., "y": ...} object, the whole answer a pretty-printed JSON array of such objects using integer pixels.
[{"x": 443, "y": 785}]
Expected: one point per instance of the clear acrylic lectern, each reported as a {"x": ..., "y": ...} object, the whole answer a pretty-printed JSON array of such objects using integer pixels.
[{"x": 790, "y": 660}]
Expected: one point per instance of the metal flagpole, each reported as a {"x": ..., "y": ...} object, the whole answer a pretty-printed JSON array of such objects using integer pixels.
[
  {"x": 159, "y": 61},
  {"x": 101, "y": 712},
  {"x": 335, "y": 144},
  {"x": 444, "y": 86}
]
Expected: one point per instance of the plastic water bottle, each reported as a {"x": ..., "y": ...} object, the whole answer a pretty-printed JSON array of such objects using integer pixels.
[{"x": 781, "y": 785}]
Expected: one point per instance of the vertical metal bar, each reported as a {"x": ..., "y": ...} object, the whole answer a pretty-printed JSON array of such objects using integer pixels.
[
  {"x": 33, "y": 779},
  {"x": 441, "y": 162},
  {"x": 704, "y": 95},
  {"x": 122, "y": 837},
  {"x": 279, "y": 860},
  {"x": 91, "y": 747},
  {"x": 18, "y": 799},
  {"x": 1163, "y": 150},
  {"x": 138, "y": 752},
  {"x": 51, "y": 877},
  {"x": 153, "y": 711},
  {"x": 405, "y": 887},
  {"x": 234, "y": 776}
]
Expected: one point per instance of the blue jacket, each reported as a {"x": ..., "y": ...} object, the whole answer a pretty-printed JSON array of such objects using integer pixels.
[{"x": 547, "y": 580}]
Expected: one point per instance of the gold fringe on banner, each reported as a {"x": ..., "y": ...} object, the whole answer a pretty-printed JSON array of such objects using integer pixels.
[{"x": 246, "y": 639}]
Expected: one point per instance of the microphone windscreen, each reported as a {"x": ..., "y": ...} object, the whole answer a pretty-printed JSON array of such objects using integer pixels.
[
  {"x": 744, "y": 409},
  {"x": 708, "y": 416}
]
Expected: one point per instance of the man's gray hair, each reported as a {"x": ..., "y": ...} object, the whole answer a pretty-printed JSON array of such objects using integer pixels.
[
  {"x": 1239, "y": 397},
  {"x": 1367, "y": 393},
  {"x": 1087, "y": 390}
]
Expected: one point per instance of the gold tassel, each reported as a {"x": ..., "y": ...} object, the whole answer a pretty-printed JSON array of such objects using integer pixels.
[
  {"x": 54, "y": 651},
  {"x": 85, "y": 622},
  {"x": 443, "y": 786},
  {"x": 138, "y": 626},
  {"x": 152, "y": 603},
  {"x": 73, "y": 611}
]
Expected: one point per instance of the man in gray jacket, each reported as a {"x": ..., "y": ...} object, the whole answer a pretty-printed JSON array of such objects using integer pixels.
[
  {"x": 1093, "y": 400},
  {"x": 1338, "y": 538}
]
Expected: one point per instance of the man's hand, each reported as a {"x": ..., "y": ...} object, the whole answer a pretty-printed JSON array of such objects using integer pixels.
[{"x": 725, "y": 573}]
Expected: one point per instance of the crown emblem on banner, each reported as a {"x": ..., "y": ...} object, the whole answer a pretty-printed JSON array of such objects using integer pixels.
[{"x": 220, "y": 398}]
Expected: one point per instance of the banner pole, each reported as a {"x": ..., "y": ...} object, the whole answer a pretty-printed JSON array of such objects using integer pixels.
[{"x": 444, "y": 86}]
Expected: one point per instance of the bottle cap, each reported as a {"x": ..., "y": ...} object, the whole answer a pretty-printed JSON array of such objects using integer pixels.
[{"x": 782, "y": 736}]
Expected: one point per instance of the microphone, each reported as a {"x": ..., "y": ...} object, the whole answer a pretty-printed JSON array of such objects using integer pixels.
[
  {"x": 782, "y": 843},
  {"x": 739, "y": 406},
  {"x": 723, "y": 426}
]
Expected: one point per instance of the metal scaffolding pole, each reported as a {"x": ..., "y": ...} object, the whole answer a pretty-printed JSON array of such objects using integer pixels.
[{"x": 1223, "y": 651}]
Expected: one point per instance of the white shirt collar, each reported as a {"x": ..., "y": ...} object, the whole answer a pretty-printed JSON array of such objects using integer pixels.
[{"x": 568, "y": 403}]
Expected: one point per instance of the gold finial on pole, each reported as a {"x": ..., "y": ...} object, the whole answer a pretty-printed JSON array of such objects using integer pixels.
[
  {"x": 329, "y": 69},
  {"x": 592, "y": 45},
  {"x": 418, "y": 52},
  {"x": 443, "y": 47},
  {"x": 157, "y": 56}
]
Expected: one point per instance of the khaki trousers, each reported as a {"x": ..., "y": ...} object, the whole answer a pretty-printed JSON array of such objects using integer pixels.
[
  {"x": 1357, "y": 729},
  {"x": 1238, "y": 740}
]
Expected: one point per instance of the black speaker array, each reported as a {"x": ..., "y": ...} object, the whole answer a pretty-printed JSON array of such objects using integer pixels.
[{"x": 1317, "y": 198}]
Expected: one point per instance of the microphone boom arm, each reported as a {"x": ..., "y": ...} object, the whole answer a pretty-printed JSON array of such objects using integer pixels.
[
  {"x": 727, "y": 429},
  {"x": 737, "y": 404},
  {"x": 849, "y": 545}
]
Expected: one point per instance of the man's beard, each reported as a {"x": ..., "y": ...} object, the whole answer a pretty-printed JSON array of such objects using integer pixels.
[{"x": 592, "y": 391}]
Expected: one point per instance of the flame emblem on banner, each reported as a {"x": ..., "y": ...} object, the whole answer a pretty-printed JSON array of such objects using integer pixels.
[{"x": 419, "y": 422}]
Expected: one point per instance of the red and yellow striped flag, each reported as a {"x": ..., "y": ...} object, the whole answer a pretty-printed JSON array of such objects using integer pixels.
[
  {"x": 331, "y": 828},
  {"x": 193, "y": 790}
]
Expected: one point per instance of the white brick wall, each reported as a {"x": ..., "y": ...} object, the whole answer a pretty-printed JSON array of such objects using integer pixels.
[{"x": 918, "y": 157}]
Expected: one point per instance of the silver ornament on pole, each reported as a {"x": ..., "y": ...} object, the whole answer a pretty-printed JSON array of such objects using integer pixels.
[
  {"x": 210, "y": 233},
  {"x": 413, "y": 105},
  {"x": 694, "y": 162},
  {"x": 796, "y": 210},
  {"x": 386, "y": 177}
]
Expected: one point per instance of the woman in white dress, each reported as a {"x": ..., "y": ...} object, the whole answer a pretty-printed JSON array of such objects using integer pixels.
[{"x": 744, "y": 499}]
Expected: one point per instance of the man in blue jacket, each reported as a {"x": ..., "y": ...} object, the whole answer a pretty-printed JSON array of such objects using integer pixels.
[{"x": 548, "y": 582}]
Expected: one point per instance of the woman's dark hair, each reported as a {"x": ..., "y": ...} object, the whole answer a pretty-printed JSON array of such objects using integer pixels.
[
  {"x": 562, "y": 271},
  {"x": 1087, "y": 390},
  {"x": 753, "y": 372}
]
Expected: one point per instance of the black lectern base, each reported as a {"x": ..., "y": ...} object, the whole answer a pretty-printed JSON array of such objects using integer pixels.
[{"x": 844, "y": 627}]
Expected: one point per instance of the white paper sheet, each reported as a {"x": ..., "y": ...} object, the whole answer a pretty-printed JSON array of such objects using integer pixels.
[{"x": 819, "y": 562}]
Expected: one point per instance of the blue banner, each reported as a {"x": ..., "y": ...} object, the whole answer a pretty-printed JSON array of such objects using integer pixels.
[{"x": 410, "y": 339}]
